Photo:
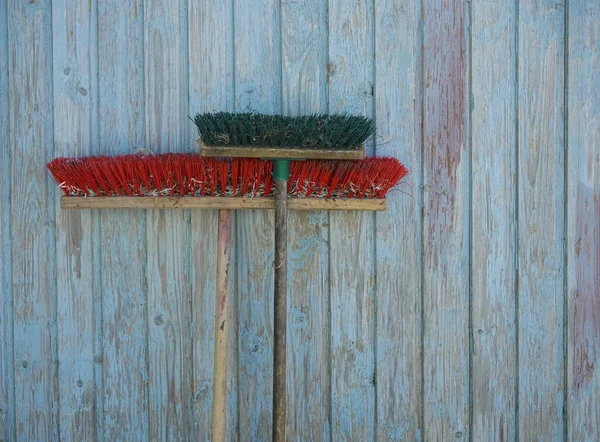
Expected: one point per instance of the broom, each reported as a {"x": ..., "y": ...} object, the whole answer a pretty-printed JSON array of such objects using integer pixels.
[{"x": 189, "y": 181}]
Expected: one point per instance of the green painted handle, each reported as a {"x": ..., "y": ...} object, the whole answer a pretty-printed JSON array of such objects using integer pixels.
[{"x": 282, "y": 170}]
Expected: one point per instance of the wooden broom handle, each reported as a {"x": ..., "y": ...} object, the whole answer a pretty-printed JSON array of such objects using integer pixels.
[
  {"x": 219, "y": 405},
  {"x": 280, "y": 302}
]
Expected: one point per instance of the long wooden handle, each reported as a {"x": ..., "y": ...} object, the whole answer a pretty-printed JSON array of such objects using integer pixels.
[
  {"x": 219, "y": 405},
  {"x": 280, "y": 304}
]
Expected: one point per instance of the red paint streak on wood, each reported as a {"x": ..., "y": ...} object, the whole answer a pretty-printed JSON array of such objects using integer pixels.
[
  {"x": 444, "y": 104},
  {"x": 587, "y": 295}
]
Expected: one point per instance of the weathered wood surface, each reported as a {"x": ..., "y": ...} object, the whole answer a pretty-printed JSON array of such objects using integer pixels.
[
  {"x": 446, "y": 209},
  {"x": 540, "y": 220},
  {"x": 210, "y": 55},
  {"x": 7, "y": 374},
  {"x": 493, "y": 329},
  {"x": 583, "y": 212},
  {"x": 399, "y": 237},
  {"x": 167, "y": 236},
  {"x": 468, "y": 310},
  {"x": 75, "y": 98},
  {"x": 257, "y": 74},
  {"x": 304, "y": 83},
  {"x": 32, "y": 221},
  {"x": 351, "y": 242},
  {"x": 274, "y": 152},
  {"x": 124, "y": 288}
]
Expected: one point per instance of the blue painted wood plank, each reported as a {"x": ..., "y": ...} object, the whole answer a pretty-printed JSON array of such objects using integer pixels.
[
  {"x": 123, "y": 233},
  {"x": 304, "y": 83},
  {"x": 541, "y": 193},
  {"x": 351, "y": 242},
  {"x": 73, "y": 46},
  {"x": 257, "y": 87},
  {"x": 493, "y": 276},
  {"x": 32, "y": 220},
  {"x": 210, "y": 89},
  {"x": 399, "y": 237},
  {"x": 446, "y": 208},
  {"x": 7, "y": 374},
  {"x": 583, "y": 212},
  {"x": 169, "y": 289}
]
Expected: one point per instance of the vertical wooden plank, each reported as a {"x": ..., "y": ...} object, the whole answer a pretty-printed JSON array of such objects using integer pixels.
[
  {"x": 304, "y": 82},
  {"x": 398, "y": 240},
  {"x": 32, "y": 220},
  {"x": 7, "y": 382},
  {"x": 210, "y": 89},
  {"x": 446, "y": 221},
  {"x": 169, "y": 290},
  {"x": 73, "y": 41},
  {"x": 257, "y": 74},
  {"x": 350, "y": 69},
  {"x": 123, "y": 233},
  {"x": 541, "y": 219},
  {"x": 493, "y": 117},
  {"x": 583, "y": 213}
]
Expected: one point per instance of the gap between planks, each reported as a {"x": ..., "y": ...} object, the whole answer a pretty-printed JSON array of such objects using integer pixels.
[{"x": 194, "y": 202}]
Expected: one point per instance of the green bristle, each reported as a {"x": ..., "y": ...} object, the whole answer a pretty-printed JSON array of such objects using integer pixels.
[{"x": 318, "y": 131}]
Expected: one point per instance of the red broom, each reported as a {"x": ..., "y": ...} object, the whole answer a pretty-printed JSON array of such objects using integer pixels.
[{"x": 192, "y": 175}]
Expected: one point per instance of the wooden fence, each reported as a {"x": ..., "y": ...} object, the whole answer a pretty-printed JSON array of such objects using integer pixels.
[{"x": 470, "y": 310}]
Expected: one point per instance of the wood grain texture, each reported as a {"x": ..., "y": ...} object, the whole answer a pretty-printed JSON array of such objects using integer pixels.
[
  {"x": 583, "y": 211},
  {"x": 32, "y": 221},
  {"x": 541, "y": 220},
  {"x": 283, "y": 152},
  {"x": 169, "y": 289},
  {"x": 222, "y": 325},
  {"x": 399, "y": 238},
  {"x": 257, "y": 87},
  {"x": 446, "y": 221},
  {"x": 74, "y": 41},
  {"x": 304, "y": 80},
  {"x": 351, "y": 242},
  {"x": 194, "y": 202},
  {"x": 7, "y": 374},
  {"x": 125, "y": 337},
  {"x": 210, "y": 41},
  {"x": 493, "y": 117},
  {"x": 123, "y": 233}
]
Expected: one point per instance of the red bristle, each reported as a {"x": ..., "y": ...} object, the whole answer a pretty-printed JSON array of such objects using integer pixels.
[
  {"x": 191, "y": 170},
  {"x": 143, "y": 172},
  {"x": 235, "y": 164},
  {"x": 56, "y": 168},
  {"x": 84, "y": 178},
  {"x": 132, "y": 178},
  {"x": 201, "y": 176},
  {"x": 212, "y": 175},
  {"x": 191, "y": 174},
  {"x": 336, "y": 177},
  {"x": 223, "y": 176},
  {"x": 178, "y": 174},
  {"x": 169, "y": 174},
  {"x": 260, "y": 178},
  {"x": 98, "y": 167},
  {"x": 268, "y": 174},
  {"x": 245, "y": 171},
  {"x": 119, "y": 171}
]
